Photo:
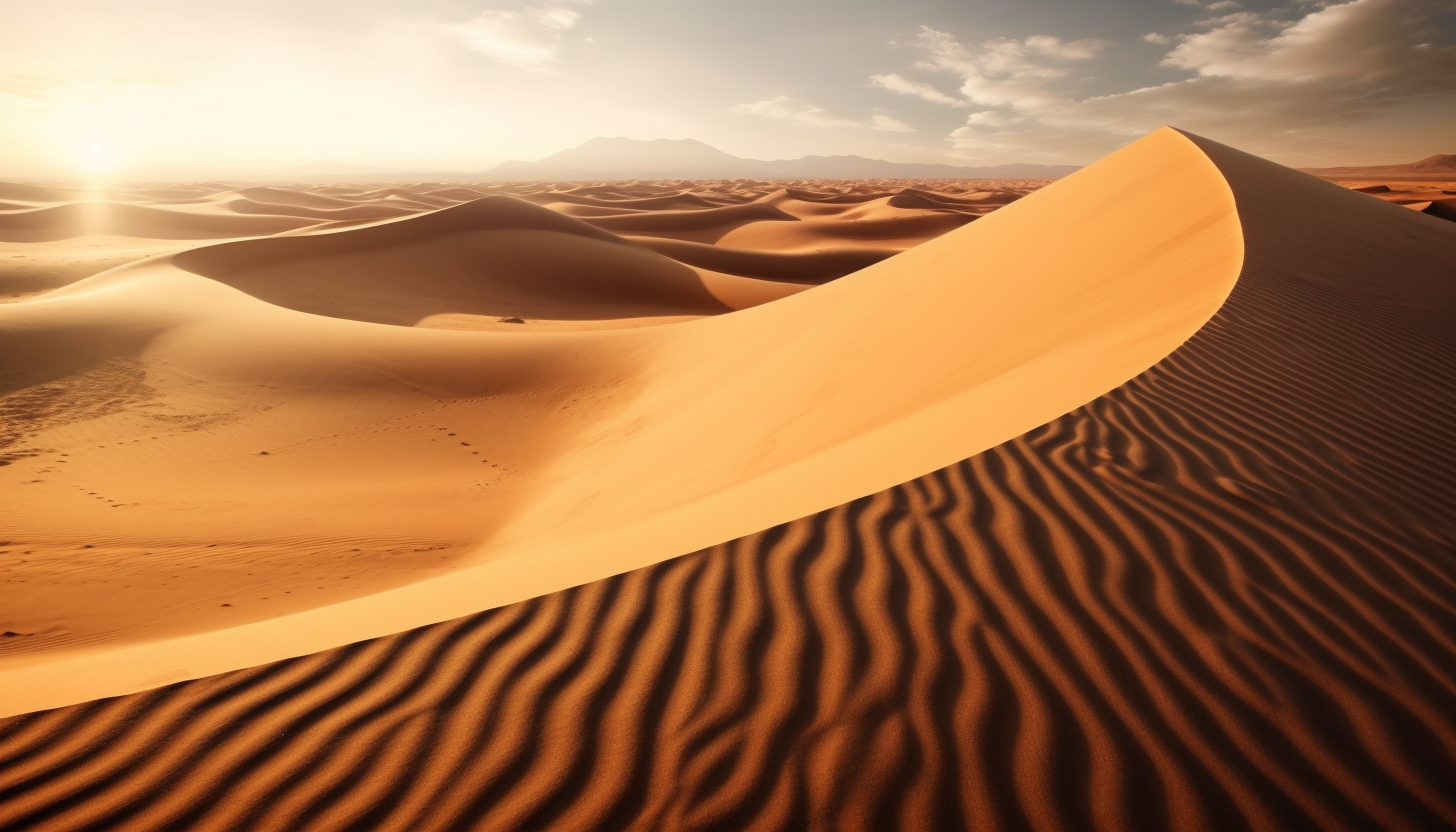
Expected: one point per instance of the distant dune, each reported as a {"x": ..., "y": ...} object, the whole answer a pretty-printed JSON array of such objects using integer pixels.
[
  {"x": 1126, "y": 503},
  {"x": 1442, "y": 165},
  {"x": 1428, "y": 186}
]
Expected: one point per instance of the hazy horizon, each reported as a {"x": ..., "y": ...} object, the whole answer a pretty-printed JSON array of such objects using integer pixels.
[{"x": 162, "y": 86}]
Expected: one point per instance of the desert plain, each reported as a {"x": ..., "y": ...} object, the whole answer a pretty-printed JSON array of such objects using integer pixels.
[{"x": 1124, "y": 501}]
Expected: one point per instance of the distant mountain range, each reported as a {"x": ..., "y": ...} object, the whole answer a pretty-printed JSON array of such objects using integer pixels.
[
  {"x": 604, "y": 159},
  {"x": 618, "y": 158},
  {"x": 1441, "y": 165}
]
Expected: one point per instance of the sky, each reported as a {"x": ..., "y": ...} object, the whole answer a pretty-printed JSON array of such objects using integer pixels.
[{"x": 156, "y": 88}]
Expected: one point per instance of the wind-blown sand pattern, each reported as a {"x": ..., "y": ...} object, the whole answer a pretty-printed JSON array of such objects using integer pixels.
[{"x": 1218, "y": 596}]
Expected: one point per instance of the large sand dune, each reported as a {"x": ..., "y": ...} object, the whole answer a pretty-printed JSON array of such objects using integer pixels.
[{"x": 1194, "y": 570}]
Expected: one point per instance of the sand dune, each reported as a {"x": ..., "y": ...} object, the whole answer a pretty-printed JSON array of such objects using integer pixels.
[
  {"x": 801, "y": 195},
  {"x": 279, "y": 481},
  {"x": 1218, "y": 596},
  {"x": 1439, "y": 166},
  {"x": 21, "y": 192},
  {"x": 816, "y": 266},
  {"x": 121, "y": 219},
  {"x": 80, "y": 242},
  {"x": 1428, "y": 193},
  {"x": 893, "y": 232},
  {"x": 671, "y": 202},
  {"x": 492, "y": 257},
  {"x": 706, "y": 225},
  {"x": 1443, "y": 208},
  {"x": 353, "y": 212}
]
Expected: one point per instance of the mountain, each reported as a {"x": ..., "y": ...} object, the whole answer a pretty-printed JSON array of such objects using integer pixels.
[
  {"x": 620, "y": 158},
  {"x": 1440, "y": 165}
]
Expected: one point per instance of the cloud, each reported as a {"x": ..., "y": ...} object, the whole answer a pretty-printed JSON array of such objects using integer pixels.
[
  {"x": 991, "y": 118},
  {"x": 904, "y": 86},
  {"x": 805, "y": 114},
  {"x": 1006, "y": 72},
  {"x": 1251, "y": 77},
  {"x": 1360, "y": 46},
  {"x": 884, "y": 122},
  {"x": 798, "y": 112},
  {"x": 529, "y": 36}
]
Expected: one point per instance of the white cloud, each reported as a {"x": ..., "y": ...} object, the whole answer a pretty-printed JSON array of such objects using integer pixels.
[
  {"x": 884, "y": 122},
  {"x": 784, "y": 108},
  {"x": 529, "y": 36},
  {"x": 991, "y": 118},
  {"x": 1360, "y": 45},
  {"x": 1005, "y": 72},
  {"x": 904, "y": 86},
  {"x": 1253, "y": 77},
  {"x": 798, "y": 112},
  {"x": 1077, "y": 50}
]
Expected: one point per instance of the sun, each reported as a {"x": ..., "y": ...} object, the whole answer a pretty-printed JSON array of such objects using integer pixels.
[{"x": 96, "y": 160}]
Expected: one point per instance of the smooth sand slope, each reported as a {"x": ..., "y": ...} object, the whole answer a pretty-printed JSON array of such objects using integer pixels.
[
  {"x": 205, "y": 481},
  {"x": 1217, "y": 597}
]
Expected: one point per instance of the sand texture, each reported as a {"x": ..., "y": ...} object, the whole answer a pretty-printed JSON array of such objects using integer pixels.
[{"x": 1196, "y": 573}]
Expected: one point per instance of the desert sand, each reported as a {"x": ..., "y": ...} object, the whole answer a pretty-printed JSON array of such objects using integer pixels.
[
  {"x": 1428, "y": 186},
  {"x": 1158, "y": 531}
]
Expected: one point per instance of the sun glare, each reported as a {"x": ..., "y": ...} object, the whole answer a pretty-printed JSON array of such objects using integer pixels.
[{"x": 97, "y": 161}]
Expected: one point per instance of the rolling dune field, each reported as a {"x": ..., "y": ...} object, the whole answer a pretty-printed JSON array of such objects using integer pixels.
[{"x": 1125, "y": 504}]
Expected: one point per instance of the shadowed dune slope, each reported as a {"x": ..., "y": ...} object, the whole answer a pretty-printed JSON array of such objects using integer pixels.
[
  {"x": 272, "y": 195},
  {"x": 807, "y": 267},
  {"x": 492, "y": 256},
  {"x": 700, "y": 225},
  {"x": 1219, "y": 597},
  {"x": 22, "y": 192},
  {"x": 415, "y": 475},
  {"x": 350, "y": 212},
  {"x": 881, "y": 228},
  {"x": 671, "y": 202},
  {"x": 1441, "y": 208}
]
